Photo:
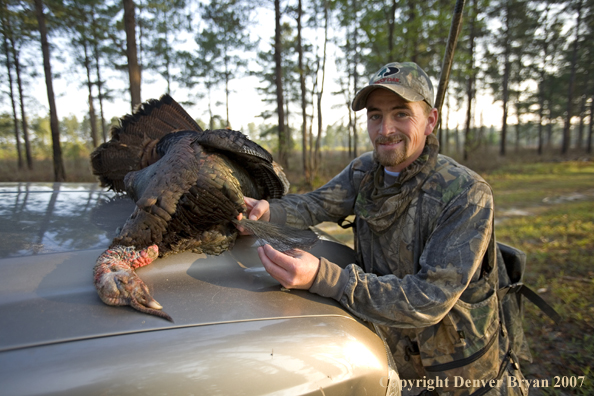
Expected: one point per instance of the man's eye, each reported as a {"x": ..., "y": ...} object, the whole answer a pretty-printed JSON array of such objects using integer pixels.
[
  {"x": 401, "y": 114},
  {"x": 374, "y": 117}
]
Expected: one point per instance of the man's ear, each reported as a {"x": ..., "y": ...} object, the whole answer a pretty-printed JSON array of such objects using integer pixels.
[{"x": 431, "y": 121}]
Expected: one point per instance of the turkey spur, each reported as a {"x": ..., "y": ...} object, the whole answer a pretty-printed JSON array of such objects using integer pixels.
[{"x": 189, "y": 187}]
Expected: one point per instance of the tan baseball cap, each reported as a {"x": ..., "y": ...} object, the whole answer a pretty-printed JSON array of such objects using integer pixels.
[{"x": 406, "y": 79}]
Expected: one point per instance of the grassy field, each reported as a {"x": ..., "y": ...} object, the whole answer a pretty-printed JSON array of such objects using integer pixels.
[
  {"x": 77, "y": 170},
  {"x": 547, "y": 210}
]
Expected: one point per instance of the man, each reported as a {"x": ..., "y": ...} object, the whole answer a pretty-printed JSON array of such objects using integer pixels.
[{"x": 426, "y": 270}]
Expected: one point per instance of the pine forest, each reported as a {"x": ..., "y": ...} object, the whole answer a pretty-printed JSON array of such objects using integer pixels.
[{"x": 525, "y": 64}]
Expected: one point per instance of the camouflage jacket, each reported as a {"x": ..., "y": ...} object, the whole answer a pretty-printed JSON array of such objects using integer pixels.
[{"x": 420, "y": 274}]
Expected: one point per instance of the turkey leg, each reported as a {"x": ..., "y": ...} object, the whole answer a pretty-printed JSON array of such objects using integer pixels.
[{"x": 117, "y": 282}]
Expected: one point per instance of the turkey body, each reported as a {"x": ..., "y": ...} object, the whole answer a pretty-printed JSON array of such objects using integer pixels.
[
  {"x": 189, "y": 187},
  {"x": 188, "y": 184},
  {"x": 188, "y": 199}
]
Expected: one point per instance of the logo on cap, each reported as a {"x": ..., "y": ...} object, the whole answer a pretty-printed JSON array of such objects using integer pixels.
[{"x": 388, "y": 71}]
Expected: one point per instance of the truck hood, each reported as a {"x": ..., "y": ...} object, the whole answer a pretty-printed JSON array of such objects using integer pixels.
[{"x": 50, "y": 243}]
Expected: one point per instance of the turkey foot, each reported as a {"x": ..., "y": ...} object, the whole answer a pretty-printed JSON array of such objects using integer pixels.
[{"x": 117, "y": 283}]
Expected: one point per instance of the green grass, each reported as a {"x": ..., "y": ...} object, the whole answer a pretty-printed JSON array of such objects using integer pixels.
[
  {"x": 77, "y": 170},
  {"x": 559, "y": 241},
  {"x": 526, "y": 185}
]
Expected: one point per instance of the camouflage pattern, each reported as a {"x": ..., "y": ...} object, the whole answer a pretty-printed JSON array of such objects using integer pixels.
[
  {"x": 406, "y": 79},
  {"x": 420, "y": 277}
]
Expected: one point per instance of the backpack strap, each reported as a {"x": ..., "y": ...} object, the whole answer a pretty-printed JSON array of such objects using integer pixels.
[
  {"x": 534, "y": 298},
  {"x": 345, "y": 224}
]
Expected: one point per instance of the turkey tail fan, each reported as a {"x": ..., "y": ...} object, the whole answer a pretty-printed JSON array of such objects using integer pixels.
[
  {"x": 282, "y": 238},
  {"x": 111, "y": 161},
  {"x": 133, "y": 141},
  {"x": 155, "y": 119}
]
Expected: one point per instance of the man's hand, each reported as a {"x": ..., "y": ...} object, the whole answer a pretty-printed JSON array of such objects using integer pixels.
[
  {"x": 256, "y": 210},
  {"x": 295, "y": 271}
]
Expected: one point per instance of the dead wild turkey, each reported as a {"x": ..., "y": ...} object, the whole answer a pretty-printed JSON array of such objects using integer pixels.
[{"x": 188, "y": 185}]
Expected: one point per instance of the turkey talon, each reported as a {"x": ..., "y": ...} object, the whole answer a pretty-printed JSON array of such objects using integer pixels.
[
  {"x": 156, "y": 312},
  {"x": 154, "y": 305}
]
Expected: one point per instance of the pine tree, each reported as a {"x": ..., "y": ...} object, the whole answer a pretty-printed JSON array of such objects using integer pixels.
[
  {"x": 6, "y": 32},
  {"x": 59, "y": 171},
  {"x": 573, "y": 67},
  {"x": 18, "y": 24},
  {"x": 228, "y": 21},
  {"x": 506, "y": 54},
  {"x": 134, "y": 70},
  {"x": 165, "y": 25}
]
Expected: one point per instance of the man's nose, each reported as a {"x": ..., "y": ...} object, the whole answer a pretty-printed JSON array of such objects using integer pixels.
[{"x": 387, "y": 127}]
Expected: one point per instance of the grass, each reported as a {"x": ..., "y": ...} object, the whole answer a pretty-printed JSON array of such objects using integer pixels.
[
  {"x": 527, "y": 185},
  {"x": 77, "y": 170},
  {"x": 559, "y": 242}
]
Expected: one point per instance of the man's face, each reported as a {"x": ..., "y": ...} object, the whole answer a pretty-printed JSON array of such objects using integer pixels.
[{"x": 397, "y": 128}]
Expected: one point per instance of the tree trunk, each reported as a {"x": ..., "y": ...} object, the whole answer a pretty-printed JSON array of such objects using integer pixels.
[
  {"x": 549, "y": 133},
  {"x": 100, "y": 97},
  {"x": 549, "y": 100},
  {"x": 169, "y": 51},
  {"x": 59, "y": 171},
  {"x": 540, "y": 116},
  {"x": 355, "y": 74},
  {"x": 317, "y": 155},
  {"x": 412, "y": 15},
  {"x": 227, "y": 74},
  {"x": 457, "y": 137},
  {"x": 315, "y": 94},
  {"x": 580, "y": 139},
  {"x": 567, "y": 124},
  {"x": 24, "y": 123},
  {"x": 518, "y": 127},
  {"x": 140, "y": 25},
  {"x": 541, "y": 85},
  {"x": 590, "y": 128},
  {"x": 278, "y": 72},
  {"x": 506, "y": 72},
  {"x": 469, "y": 98},
  {"x": 346, "y": 88},
  {"x": 447, "y": 131},
  {"x": 288, "y": 137},
  {"x": 350, "y": 130},
  {"x": 92, "y": 116},
  {"x": 470, "y": 82},
  {"x": 210, "y": 115},
  {"x": 17, "y": 68},
  {"x": 391, "y": 21},
  {"x": 304, "y": 132},
  {"x": 96, "y": 55},
  {"x": 13, "y": 102},
  {"x": 134, "y": 71},
  {"x": 481, "y": 132}
]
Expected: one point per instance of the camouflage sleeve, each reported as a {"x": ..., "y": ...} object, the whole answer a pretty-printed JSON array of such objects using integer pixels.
[
  {"x": 448, "y": 262},
  {"x": 331, "y": 202}
]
